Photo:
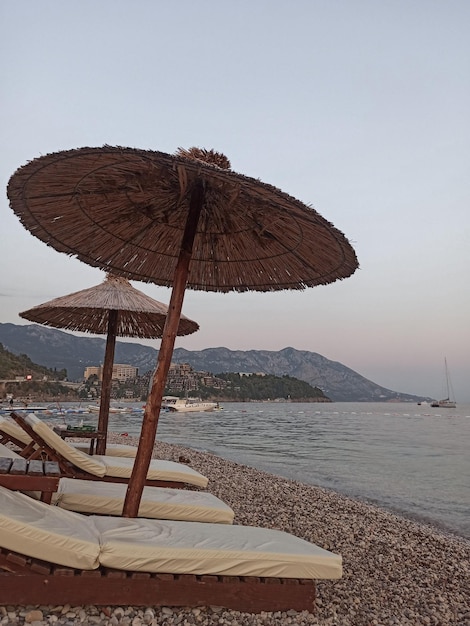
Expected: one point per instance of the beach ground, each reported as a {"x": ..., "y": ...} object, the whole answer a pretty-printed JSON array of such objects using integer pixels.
[{"x": 396, "y": 572}]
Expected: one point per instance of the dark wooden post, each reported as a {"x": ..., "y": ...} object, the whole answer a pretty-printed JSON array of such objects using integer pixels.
[
  {"x": 107, "y": 379},
  {"x": 154, "y": 401}
]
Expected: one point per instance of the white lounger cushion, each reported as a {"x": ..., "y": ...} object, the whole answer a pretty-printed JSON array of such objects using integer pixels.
[
  {"x": 159, "y": 470},
  {"x": 112, "y": 449},
  {"x": 46, "y": 532},
  {"x": 194, "y": 548},
  {"x": 88, "y": 496},
  {"x": 10, "y": 428},
  {"x": 115, "y": 466}
]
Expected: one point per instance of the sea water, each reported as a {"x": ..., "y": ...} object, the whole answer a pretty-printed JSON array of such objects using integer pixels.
[{"x": 411, "y": 459}]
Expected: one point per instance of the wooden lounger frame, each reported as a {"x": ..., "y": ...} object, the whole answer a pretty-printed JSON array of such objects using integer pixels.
[
  {"x": 68, "y": 470},
  {"x": 25, "y": 581},
  {"x": 27, "y": 451},
  {"x": 27, "y": 475}
]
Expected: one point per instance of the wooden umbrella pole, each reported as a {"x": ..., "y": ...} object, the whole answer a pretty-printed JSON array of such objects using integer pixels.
[
  {"x": 154, "y": 401},
  {"x": 107, "y": 379}
]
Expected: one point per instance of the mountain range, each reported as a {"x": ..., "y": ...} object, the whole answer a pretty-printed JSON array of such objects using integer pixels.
[{"x": 57, "y": 349}]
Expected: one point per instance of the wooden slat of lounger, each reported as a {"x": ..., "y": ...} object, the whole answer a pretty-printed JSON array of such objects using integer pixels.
[
  {"x": 35, "y": 468},
  {"x": 19, "y": 467},
  {"x": 92, "y": 573},
  {"x": 51, "y": 468},
  {"x": 5, "y": 465},
  {"x": 41, "y": 568},
  {"x": 64, "y": 571},
  {"x": 12, "y": 562},
  {"x": 25, "y": 586}
]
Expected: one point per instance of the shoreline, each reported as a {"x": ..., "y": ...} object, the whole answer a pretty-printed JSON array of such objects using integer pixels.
[
  {"x": 417, "y": 518},
  {"x": 396, "y": 571}
]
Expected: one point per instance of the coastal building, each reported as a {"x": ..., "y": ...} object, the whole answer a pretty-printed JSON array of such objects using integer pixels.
[
  {"x": 121, "y": 372},
  {"x": 183, "y": 378},
  {"x": 126, "y": 382},
  {"x": 92, "y": 371},
  {"x": 124, "y": 372}
]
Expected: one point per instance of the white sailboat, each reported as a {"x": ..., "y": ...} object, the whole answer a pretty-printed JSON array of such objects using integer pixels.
[{"x": 447, "y": 402}]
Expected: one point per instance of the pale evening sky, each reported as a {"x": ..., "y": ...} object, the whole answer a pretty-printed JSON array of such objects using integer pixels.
[{"x": 356, "y": 107}]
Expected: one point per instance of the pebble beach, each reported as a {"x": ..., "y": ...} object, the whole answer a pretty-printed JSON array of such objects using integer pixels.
[{"x": 396, "y": 571}]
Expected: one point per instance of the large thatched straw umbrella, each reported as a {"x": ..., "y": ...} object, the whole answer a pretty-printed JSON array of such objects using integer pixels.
[
  {"x": 114, "y": 308},
  {"x": 183, "y": 220}
]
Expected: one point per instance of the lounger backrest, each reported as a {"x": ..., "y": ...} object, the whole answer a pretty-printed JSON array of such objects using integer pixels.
[
  {"x": 85, "y": 462},
  {"x": 47, "y": 532},
  {"x": 11, "y": 429}
]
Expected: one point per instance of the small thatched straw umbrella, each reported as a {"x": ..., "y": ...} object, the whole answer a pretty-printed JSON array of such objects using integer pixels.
[
  {"x": 115, "y": 309},
  {"x": 183, "y": 220}
]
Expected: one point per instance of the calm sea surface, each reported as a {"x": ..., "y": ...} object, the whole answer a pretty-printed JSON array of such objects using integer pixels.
[{"x": 414, "y": 460}]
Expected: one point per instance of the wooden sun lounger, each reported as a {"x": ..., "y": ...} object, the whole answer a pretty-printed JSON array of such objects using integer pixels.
[
  {"x": 50, "y": 556},
  {"x": 75, "y": 464},
  {"x": 97, "y": 498},
  {"x": 11, "y": 433}
]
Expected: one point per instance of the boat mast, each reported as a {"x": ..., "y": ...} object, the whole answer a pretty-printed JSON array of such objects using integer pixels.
[
  {"x": 450, "y": 391},
  {"x": 447, "y": 378}
]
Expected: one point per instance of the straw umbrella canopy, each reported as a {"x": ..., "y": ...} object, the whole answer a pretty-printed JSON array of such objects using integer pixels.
[
  {"x": 113, "y": 308},
  {"x": 184, "y": 220}
]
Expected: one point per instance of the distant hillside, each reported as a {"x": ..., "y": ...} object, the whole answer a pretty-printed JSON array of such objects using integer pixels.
[
  {"x": 258, "y": 387},
  {"x": 31, "y": 379},
  {"x": 57, "y": 349},
  {"x": 20, "y": 365}
]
